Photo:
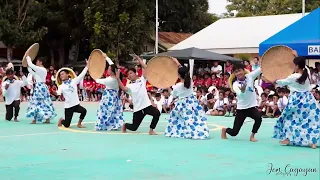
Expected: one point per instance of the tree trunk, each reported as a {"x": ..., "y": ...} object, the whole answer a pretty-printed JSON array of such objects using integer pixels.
[
  {"x": 9, "y": 52},
  {"x": 61, "y": 52},
  {"x": 52, "y": 57},
  {"x": 76, "y": 54}
]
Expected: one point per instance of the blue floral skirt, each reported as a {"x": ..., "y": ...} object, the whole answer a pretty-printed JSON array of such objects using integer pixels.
[
  {"x": 40, "y": 106},
  {"x": 110, "y": 112},
  {"x": 299, "y": 121},
  {"x": 187, "y": 120}
]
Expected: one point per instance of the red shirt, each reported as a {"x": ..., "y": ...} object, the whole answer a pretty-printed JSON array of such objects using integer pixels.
[
  {"x": 139, "y": 72},
  {"x": 216, "y": 82},
  {"x": 195, "y": 82},
  {"x": 124, "y": 81},
  {"x": 249, "y": 67},
  {"x": 201, "y": 82},
  {"x": 208, "y": 82},
  {"x": 149, "y": 86},
  {"x": 228, "y": 69},
  {"x": 106, "y": 74},
  {"x": 224, "y": 82},
  {"x": 87, "y": 83}
]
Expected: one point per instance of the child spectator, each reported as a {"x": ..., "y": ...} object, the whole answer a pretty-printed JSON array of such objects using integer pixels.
[{"x": 230, "y": 107}]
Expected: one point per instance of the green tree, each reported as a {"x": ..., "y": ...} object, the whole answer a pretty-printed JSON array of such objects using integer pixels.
[
  {"x": 246, "y": 8},
  {"x": 119, "y": 27},
  {"x": 188, "y": 16},
  {"x": 18, "y": 24}
]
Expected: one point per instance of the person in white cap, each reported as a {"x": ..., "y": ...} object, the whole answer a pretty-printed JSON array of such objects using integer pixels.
[
  {"x": 40, "y": 107},
  {"x": 110, "y": 112},
  {"x": 11, "y": 89}
]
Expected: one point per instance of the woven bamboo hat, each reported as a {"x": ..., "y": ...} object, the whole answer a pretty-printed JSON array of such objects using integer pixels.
[
  {"x": 5, "y": 78},
  {"x": 162, "y": 72},
  {"x": 232, "y": 78},
  {"x": 32, "y": 52},
  {"x": 72, "y": 75},
  {"x": 277, "y": 63},
  {"x": 97, "y": 63}
]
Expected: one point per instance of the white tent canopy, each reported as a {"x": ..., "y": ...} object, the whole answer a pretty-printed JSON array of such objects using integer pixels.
[{"x": 238, "y": 35}]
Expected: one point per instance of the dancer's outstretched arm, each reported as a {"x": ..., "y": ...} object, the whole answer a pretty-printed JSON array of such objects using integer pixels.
[
  {"x": 34, "y": 67},
  {"x": 124, "y": 88},
  {"x": 81, "y": 75}
]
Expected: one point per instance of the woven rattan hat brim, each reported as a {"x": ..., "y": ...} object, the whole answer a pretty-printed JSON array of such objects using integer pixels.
[
  {"x": 5, "y": 78},
  {"x": 97, "y": 64},
  {"x": 277, "y": 63},
  {"x": 162, "y": 72},
  {"x": 71, "y": 73},
  {"x": 32, "y": 52}
]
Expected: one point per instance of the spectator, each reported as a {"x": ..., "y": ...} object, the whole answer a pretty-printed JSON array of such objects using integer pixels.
[
  {"x": 216, "y": 69},
  {"x": 256, "y": 63}
]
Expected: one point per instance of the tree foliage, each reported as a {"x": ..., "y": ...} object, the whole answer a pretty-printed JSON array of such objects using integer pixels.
[
  {"x": 187, "y": 16},
  {"x": 245, "y": 8},
  {"x": 18, "y": 23}
]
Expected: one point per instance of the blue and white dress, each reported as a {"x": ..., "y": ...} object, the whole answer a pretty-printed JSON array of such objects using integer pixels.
[
  {"x": 40, "y": 106},
  {"x": 187, "y": 119},
  {"x": 110, "y": 112},
  {"x": 299, "y": 121}
]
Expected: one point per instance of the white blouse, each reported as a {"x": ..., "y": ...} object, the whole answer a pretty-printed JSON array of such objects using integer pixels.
[
  {"x": 180, "y": 91},
  {"x": 39, "y": 73},
  {"x": 109, "y": 82},
  {"x": 293, "y": 85}
]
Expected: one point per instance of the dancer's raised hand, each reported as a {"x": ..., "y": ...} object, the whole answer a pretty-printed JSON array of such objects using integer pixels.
[
  {"x": 243, "y": 87},
  {"x": 118, "y": 73}
]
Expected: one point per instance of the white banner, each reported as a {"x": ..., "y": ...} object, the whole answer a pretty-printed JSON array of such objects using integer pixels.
[{"x": 314, "y": 50}]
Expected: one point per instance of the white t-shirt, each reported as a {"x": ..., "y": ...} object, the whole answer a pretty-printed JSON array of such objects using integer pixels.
[
  {"x": 138, "y": 91},
  {"x": 218, "y": 105},
  {"x": 158, "y": 103},
  {"x": 14, "y": 90},
  {"x": 294, "y": 86},
  {"x": 247, "y": 99},
  {"x": 282, "y": 103},
  {"x": 167, "y": 102},
  {"x": 180, "y": 91},
  {"x": 69, "y": 90},
  {"x": 215, "y": 69},
  {"x": 39, "y": 73},
  {"x": 109, "y": 82}
]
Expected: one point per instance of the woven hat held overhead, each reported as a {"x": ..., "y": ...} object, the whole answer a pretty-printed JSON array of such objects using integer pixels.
[
  {"x": 32, "y": 52},
  {"x": 162, "y": 72},
  {"x": 277, "y": 63},
  {"x": 97, "y": 63}
]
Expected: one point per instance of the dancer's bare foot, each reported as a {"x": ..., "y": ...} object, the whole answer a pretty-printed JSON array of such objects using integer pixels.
[
  {"x": 313, "y": 146},
  {"x": 224, "y": 133},
  {"x": 252, "y": 139},
  {"x": 33, "y": 122},
  {"x": 151, "y": 132},
  {"x": 124, "y": 129},
  {"x": 284, "y": 142},
  {"x": 80, "y": 126},
  {"x": 47, "y": 121},
  {"x": 60, "y": 122}
]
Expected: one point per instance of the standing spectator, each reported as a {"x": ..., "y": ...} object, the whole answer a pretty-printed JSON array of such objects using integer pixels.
[
  {"x": 247, "y": 65},
  {"x": 256, "y": 63},
  {"x": 216, "y": 69},
  {"x": 316, "y": 75},
  {"x": 228, "y": 67}
]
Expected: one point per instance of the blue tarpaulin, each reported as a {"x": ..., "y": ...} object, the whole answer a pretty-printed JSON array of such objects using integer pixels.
[{"x": 302, "y": 36}]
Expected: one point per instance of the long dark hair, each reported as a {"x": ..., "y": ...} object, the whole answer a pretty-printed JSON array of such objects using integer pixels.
[
  {"x": 184, "y": 74},
  {"x": 113, "y": 68},
  {"x": 301, "y": 63}
]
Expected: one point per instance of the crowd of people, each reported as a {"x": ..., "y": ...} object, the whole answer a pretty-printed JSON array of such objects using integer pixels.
[{"x": 210, "y": 85}]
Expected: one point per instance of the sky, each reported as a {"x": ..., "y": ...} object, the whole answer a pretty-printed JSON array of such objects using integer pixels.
[{"x": 217, "y": 6}]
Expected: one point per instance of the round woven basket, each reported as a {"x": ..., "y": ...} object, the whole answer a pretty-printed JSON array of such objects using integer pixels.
[
  {"x": 32, "y": 52},
  {"x": 277, "y": 63},
  {"x": 97, "y": 63},
  {"x": 72, "y": 75},
  {"x": 162, "y": 72}
]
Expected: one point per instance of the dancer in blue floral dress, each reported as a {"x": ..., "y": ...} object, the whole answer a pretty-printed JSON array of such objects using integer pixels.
[
  {"x": 110, "y": 112},
  {"x": 187, "y": 119},
  {"x": 40, "y": 107},
  {"x": 299, "y": 122}
]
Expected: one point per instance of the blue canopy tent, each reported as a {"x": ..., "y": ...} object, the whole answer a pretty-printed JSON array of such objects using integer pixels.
[{"x": 302, "y": 36}]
